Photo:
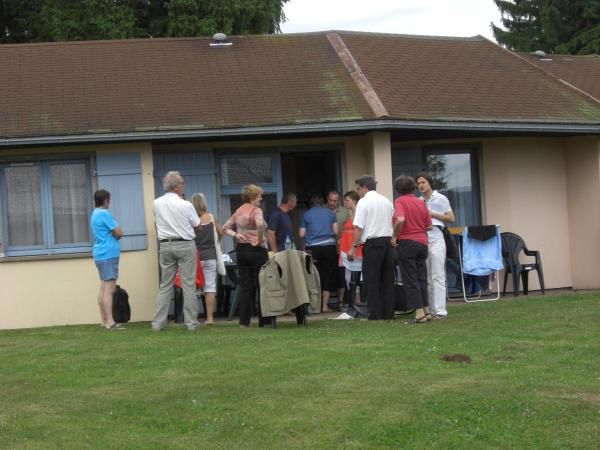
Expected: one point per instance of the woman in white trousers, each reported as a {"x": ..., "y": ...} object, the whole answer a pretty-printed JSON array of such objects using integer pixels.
[{"x": 441, "y": 214}]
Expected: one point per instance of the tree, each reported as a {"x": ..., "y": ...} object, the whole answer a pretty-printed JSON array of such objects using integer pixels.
[
  {"x": 67, "y": 20},
  {"x": 206, "y": 17},
  {"x": 435, "y": 165},
  {"x": 554, "y": 26}
]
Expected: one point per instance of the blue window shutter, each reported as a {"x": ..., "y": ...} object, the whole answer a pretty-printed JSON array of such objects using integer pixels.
[
  {"x": 121, "y": 175},
  {"x": 198, "y": 170}
]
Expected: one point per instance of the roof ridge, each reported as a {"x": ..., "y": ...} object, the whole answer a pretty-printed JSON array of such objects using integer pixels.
[
  {"x": 360, "y": 79},
  {"x": 546, "y": 73},
  {"x": 404, "y": 35},
  {"x": 105, "y": 41},
  {"x": 560, "y": 55}
]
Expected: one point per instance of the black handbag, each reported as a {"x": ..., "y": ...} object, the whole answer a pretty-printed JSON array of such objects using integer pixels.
[{"x": 451, "y": 249}]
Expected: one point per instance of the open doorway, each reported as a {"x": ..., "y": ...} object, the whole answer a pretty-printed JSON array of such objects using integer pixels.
[{"x": 306, "y": 173}]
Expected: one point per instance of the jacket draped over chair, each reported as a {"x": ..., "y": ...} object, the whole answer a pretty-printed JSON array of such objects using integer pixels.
[{"x": 289, "y": 280}]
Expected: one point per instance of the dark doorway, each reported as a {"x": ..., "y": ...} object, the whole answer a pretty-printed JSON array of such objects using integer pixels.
[{"x": 307, "y": 173}]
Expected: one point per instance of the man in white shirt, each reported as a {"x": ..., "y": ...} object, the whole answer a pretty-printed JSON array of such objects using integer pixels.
[
  {"x": 373, "y": 227},
  {"x": 175, "y": 220}
]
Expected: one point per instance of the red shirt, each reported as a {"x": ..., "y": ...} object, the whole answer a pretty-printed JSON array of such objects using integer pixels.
[{"x": 416, "y": 218}]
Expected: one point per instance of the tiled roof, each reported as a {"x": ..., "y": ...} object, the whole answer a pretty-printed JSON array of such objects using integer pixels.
[
  {"x": 87, "y": 88},
  {"x": 422, "y": 77},
  {"x": 582, "y": 72},
  {"x": 150, "y": 84}
]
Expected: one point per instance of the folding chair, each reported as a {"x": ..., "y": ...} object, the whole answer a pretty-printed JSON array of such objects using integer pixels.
[{"x": 480, "y": 254}]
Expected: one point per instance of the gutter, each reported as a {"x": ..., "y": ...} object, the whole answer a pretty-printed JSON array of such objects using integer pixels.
[{"x": 282, "y": 130}]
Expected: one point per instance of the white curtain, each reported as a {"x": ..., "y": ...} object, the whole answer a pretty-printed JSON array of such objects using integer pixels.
[
  {"x": 69, "y": 203},
  {"x": 24, "y": 205}
]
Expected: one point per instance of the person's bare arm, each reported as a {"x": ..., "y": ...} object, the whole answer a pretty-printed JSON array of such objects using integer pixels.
[
  {"x": 398, "y": 225},
  {"x": 447, "y": 217},
  {"x": 271, "y": 238},
  {"x": 260, "y": 231},
  {"x": 219, "y": 228},
  {"x": 117, "y": 232},
  {"x": 357, "y": 235}
]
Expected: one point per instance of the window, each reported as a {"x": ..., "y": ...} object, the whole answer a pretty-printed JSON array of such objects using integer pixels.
[
  {"x": 453, "y": 175},
  {"x": 454, "y": 171},
  {"x": 45, "y": 207},
  {"x": 240, "y": 171}
]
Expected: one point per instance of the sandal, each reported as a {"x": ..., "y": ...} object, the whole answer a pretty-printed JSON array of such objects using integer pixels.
[
  {"x": 438, "y": 317},
  {"x": 414, "y": 320},
  {"x": 115, "y": 326}
]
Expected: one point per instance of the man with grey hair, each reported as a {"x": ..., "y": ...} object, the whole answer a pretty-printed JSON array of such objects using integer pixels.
[
  {"x": 175, "y": 221},
  {"x": 373, "y": 229}
]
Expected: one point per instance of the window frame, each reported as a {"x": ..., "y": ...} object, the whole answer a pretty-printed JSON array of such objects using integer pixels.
[
  {"x": 473, "y": 150},
  {"x": 49, "y": 247},
  {"x": 250, "y": 153},
  {"x": 470, "y": 148}
]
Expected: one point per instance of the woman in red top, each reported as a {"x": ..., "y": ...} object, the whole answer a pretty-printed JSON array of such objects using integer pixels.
[
  {"x": 351, "y": 198},
  {"x": 251, "y": 250},
  {"x": 411, "y": 222}
]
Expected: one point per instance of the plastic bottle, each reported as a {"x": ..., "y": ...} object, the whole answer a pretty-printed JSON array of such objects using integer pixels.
[{"x": 288, "y": 243}]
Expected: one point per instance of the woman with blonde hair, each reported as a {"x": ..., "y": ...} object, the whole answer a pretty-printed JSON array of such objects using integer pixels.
[
  {"x": 206, "y": 240},
  {"x": 247, "y": 227}
]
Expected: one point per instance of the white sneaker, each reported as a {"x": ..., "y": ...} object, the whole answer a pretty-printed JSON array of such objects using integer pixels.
[{"x": 343, "y": 316}]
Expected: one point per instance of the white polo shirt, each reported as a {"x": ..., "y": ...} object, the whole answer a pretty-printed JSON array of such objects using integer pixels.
[
  {"x": 437, "y": 203},
  {"x": 374, "y": 214},
  {"x": 175, "y": 217}
]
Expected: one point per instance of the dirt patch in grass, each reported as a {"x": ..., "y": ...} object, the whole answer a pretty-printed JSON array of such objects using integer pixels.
[
  {"x": 592, "y": 398},
  {"x": 457, "y": 357}
]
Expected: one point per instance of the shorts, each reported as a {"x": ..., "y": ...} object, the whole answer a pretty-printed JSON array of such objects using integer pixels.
[
  {"x": 209, "y": 269},
  {"x": 108, "y": 269}
]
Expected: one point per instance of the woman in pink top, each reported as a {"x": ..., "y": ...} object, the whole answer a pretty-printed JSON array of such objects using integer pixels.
[
  {"x": 411, "y": 222},
  {"x": 250, "y": 247}
]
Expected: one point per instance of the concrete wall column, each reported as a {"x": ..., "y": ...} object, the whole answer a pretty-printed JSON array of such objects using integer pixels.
[
  {"x": 380, "y": 162},
  {"x": 582, "y": 157}
]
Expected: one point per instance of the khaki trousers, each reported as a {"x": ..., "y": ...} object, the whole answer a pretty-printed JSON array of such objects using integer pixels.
[{"x": 172, "y": 256}]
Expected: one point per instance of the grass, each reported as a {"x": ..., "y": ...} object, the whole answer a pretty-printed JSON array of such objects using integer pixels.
[{"x": 534, "y": 382}]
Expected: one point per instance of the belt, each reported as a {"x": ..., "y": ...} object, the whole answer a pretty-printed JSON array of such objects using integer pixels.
[{"x": 174, "y": 240}]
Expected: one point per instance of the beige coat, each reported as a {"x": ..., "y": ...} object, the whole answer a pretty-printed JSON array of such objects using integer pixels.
[{"x": 288, "y": 280}]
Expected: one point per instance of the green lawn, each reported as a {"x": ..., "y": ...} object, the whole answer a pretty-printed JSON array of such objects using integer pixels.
[{"x": 534, "y": 382}]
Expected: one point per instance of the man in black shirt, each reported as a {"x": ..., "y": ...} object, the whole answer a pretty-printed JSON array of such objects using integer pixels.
[{"x": 280, "y": 224}]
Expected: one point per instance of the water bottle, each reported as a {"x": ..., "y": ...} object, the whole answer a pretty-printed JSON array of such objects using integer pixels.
[{"x": 288, "y": 243}]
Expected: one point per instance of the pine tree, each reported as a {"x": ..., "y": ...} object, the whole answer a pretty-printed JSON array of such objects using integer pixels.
[
  {"x": 554, "y": 26},
  {"x": 67, "y": 20}
]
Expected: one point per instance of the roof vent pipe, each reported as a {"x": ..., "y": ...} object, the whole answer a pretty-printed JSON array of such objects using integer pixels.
[{"x": 220, "y": 40}]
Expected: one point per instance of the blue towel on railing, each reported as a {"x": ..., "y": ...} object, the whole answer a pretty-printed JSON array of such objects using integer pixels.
[{"x": 482, "y": 257}]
